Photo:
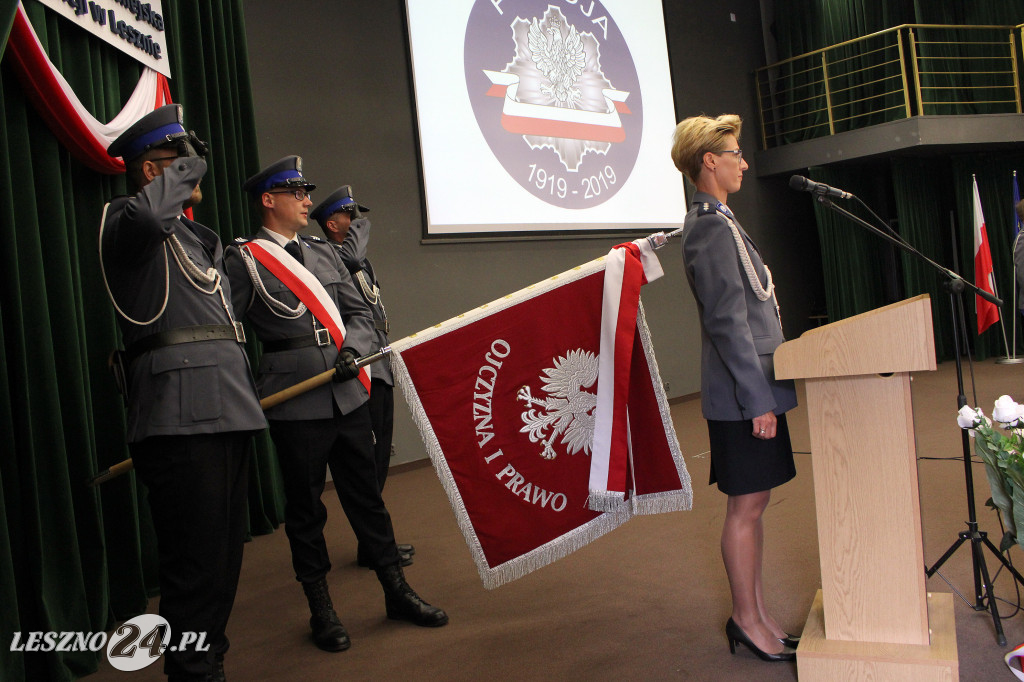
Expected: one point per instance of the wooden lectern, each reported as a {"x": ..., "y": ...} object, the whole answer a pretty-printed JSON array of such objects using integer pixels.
[{"x": 872, "y": 618}]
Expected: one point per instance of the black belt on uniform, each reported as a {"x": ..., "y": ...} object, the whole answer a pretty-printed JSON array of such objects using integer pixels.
[
  {"x": 382, "y": 325},
  {"x": 321, "y": 337},
  {"x": 172, "y": 337}
]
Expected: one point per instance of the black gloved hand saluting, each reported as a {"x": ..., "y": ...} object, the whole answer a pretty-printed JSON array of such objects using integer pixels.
[
  {"x": 191, "y": 145},
  {"x": 345, "y": 368},
  {"x": 353, "y": 210}
]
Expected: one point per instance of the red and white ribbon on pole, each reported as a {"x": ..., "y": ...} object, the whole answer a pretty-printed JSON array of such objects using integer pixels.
[
  {"x": 72, "y": 124},
  {"x": 306, "y": 287},
  {"x": 628, "y": 267}
]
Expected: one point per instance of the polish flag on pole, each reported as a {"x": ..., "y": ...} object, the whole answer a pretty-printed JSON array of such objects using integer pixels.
[
  {"x": 1017, "y": 227},
  {"x": 984, "y": 278}
]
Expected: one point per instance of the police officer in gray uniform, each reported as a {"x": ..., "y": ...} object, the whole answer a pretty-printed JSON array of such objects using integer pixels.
[
  {"x": 345, "y": 225},
  {"x": 192, "y": 405},
  {"x": 328, "y": 426},
  {"x": 742, "y": 401}
]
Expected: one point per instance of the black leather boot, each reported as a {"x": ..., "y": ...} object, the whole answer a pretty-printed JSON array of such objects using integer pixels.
[
  {"x": 402, "y": 603},
  {"x": 328, "y": 632}
]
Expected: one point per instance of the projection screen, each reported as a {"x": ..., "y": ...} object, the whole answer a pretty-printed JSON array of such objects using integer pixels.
[{"x": 540, "y": 117}]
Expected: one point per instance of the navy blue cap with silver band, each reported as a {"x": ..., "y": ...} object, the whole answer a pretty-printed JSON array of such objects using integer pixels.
[
  {"x": 339, "y": 200},
  {"x": 286, "y": 172},
  {"x": 157, "y": 128}
]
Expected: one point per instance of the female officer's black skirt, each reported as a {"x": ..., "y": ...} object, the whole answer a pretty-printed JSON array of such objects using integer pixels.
[{"x": 742, "y": 464}]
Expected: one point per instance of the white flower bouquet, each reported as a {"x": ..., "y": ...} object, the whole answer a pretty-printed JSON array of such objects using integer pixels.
[{"x": 1000, "y": 450}]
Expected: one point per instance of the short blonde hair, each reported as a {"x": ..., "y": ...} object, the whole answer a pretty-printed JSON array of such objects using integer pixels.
[{"x": 696, "y": 136}]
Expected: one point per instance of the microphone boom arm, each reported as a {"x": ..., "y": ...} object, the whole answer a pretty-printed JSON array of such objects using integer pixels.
[{"x": 955, "y": 279}]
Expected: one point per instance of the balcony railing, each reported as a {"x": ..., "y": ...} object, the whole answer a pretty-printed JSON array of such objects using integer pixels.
[{"x": 909, "y": 70}]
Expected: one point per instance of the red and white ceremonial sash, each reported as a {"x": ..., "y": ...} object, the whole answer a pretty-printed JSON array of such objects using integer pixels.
[
  {"x": 306, "y": 287},
  {"x": 627, "y": 267}
]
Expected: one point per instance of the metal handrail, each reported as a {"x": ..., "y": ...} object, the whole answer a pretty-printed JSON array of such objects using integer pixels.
[{"x": 886, "y": 80}]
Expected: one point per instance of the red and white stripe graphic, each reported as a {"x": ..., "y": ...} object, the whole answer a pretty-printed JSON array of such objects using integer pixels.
[
  {"x": 306, "y": 287},
  {"x": 548, "y": 121}
]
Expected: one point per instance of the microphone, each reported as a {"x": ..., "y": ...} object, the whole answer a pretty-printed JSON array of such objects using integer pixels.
[{"x": 802, "y": 184}]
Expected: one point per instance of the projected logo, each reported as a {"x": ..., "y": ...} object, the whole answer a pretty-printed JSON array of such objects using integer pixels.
[{"x": 556, "y": 95}]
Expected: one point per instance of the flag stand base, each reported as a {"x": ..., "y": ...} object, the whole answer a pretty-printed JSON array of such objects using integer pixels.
[{"x": 1009, "y": 361}]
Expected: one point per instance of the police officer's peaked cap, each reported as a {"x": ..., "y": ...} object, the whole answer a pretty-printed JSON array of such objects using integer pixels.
[
  {"x": 286, "y": 172},
  {"x": 339, "y": 200},
  {"x": 157, "y": 128}
]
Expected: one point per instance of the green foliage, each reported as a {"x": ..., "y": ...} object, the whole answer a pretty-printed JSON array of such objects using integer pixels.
[{"x": 1004, "y": 467}]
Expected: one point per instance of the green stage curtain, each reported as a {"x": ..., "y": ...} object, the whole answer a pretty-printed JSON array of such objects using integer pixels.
[
  {"x": 853, "y": 260},
  {"x": 74, "y": 558},
  {"x": 928, "y": 201},
  {"x": 995, "y": 176},
  {"x": 922, "y": 190},
  {"x": 800, "y": 27}
]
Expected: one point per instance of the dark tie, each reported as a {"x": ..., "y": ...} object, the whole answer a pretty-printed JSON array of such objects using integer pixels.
[{"x": 293, "y": 249}]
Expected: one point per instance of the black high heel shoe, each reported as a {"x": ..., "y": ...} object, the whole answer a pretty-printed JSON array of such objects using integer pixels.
[
  {"x": 736, "y": 636},
  {"x": 790, "y": 640}
]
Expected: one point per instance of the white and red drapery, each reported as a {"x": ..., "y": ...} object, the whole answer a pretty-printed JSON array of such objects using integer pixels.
[
  {"x": 544, "y": 414},
  {"x": 52, "y": 96}
]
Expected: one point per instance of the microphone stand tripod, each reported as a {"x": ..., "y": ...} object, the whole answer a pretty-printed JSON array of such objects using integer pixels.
[{"x": 956, "y": 285}]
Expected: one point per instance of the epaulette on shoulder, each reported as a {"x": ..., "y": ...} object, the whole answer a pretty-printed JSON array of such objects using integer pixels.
[
  {"x": 243, "y": 240},
  {"x": 311, "y": 238},
  {"x": 706, "y": 209}
]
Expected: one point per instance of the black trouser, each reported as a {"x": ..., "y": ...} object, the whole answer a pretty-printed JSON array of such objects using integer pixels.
[
  {"x": 382, "y": 416},
  {"x": 305, "y": 449},
  {"x": 197, "y": 488}
]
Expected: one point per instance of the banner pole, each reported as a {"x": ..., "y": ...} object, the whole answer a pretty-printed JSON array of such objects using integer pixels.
[
  {"x": 270, "y": 401},
  {"x": 657, "y": 240}
]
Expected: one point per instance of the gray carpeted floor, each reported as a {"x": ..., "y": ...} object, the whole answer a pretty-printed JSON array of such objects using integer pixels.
[{"x": 647, "y": 602}]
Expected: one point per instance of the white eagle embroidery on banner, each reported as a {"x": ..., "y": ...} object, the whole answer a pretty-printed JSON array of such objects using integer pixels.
[{"x": 568, "y": 410}]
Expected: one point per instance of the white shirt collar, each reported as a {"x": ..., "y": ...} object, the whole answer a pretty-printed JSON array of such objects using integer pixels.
[{"x": 281, "y": 239}]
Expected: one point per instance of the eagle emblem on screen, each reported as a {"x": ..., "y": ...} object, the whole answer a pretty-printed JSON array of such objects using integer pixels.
[
  {"x": 539, "y": 82},
  {"x": 560, "y": 60},
  {"x": 556, "y": 95},
  {"x": 567, "y": 410}
]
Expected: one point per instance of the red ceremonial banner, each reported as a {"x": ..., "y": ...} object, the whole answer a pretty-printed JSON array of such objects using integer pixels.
[{"x": 505, "y": 397}]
